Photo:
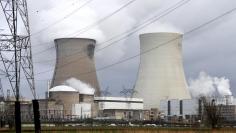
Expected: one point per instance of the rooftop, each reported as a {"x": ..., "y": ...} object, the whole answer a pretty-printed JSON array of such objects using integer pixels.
[
  {"x": 118, "y": 99},
  {"x": 63, "y": 88}
]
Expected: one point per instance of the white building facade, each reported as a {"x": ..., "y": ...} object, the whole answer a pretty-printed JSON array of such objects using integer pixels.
[{"x": 119, "y": 108}]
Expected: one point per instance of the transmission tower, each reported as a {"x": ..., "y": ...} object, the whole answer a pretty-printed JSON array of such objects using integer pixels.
[
  {"x": 15, "y": 51},
  {"x": 127, "y": 92},
  {"x": 17, "y": 47},
  {"x": 105, "y": 92}
]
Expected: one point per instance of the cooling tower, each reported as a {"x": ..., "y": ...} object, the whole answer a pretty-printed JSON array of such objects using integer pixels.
[
  {"x": 161, "y": 74},
  {"x": 75, "y": 58}
]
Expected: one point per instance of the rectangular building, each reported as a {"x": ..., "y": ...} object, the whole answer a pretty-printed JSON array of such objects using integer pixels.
[{"x": 120, "y": 107}]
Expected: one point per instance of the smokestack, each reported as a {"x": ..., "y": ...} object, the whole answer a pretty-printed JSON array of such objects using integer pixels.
[
  {"x": 228, "y": 99},
  {"x": 75, "y": 58},
  {"x": 161, "y": 71},
  {"x": 48, "y": 88}
]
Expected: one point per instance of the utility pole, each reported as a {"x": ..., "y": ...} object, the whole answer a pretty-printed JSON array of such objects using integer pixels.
[
  {"x": 2, "y": 96},
  {"x": 19, "y": 55}
]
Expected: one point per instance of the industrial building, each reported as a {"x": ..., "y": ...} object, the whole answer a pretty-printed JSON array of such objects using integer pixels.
[
  {"x": 191, "y": 109},
  {"x": 120, "y": 108},
  {"x": 64, "y": 96},
  {"x": 178, "y": 110},
  {"x": 228, "y": 108},
  {"x": 75, "y": 59},
  {"x": 65, "y": 102},
  {"x": 229, "y": 112},
  {"x": 161, "y": 89},
  {"x": 73, "y": 102},
  {"x": 161, "y": 74}
]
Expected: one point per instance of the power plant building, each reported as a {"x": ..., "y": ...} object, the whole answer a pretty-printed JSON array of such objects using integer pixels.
[
  {"x": 161, "y": 74},
  {"x": 75, "y": 59},
  {"x": 73, "y": 102},
  {"x": 119, "y": 108},
  {"x": 65, "y": 96}
]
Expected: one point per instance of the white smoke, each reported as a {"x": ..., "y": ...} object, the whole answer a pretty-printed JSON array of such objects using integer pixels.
[
  {"x": 223, "y": 86},
  {"x": 82, "y": 87},
  {"x": 206, "y": 85},
  {"x": 62, "y": 27},
  {"x": 162, "y": 27},
  {"x": 46, "y": 14}
]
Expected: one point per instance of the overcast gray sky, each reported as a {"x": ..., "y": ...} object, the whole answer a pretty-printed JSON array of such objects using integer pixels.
[{"x": 211, "y": 49}]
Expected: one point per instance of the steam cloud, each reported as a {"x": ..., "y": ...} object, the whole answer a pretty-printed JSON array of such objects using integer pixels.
[
  {"x": 127, "y": 18},
  {"x": 206, "y": 85},
  {"x": 43, "y": 14},
  {"x": 82, "y": 87}
]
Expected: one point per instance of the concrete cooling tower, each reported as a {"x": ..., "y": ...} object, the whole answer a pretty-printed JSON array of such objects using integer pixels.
[
  {"x": 161, "y": 74},
  {"x": 75, "y": 58}
]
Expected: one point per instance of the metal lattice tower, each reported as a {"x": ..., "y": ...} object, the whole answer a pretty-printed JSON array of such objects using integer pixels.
[
  {"x": 17, "y": 47},
  {"x": 105, "y": 92},
  {"x": 127, "y": 92}
]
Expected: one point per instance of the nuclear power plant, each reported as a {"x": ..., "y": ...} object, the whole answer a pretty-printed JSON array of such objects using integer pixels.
[
  {"x": 161, "y": 74},
  {"x": 75, "y": 59},
  {"x": 160, "y": 90},
  {"x": 142, "y": 79}
]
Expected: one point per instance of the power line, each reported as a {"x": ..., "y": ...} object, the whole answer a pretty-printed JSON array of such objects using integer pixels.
[
  {"x": 55, "y": 7},
  {"x": 71, "y": 4},
  {"x": 45, "y": 50},
  {"x": 86, "y": 28},
  {"x": 131, "y": 31},
  {"x": 99, "y": 21},
  {"x": 60, "y": 20},
  {"x": 153, "y": 19},
  {"x": 151, "y": 49}
]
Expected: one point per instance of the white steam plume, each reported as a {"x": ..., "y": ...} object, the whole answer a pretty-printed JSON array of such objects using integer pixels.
[
  {"x": 82, "y": 87},
  {"x": 206, "y": 85},
  {"x": 76, "y": 20},
  {"x": 43, "y": 14},
  {"x": 127, "y": 18},
  {"x": 223, "y": 86}
]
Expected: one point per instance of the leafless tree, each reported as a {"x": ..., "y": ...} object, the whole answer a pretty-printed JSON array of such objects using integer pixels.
[{"x": 211, "y": 112}]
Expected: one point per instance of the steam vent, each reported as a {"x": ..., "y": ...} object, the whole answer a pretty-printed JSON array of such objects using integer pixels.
[
  {"x": 75, "y": 58},
  {"x": 161, "y": 74}
]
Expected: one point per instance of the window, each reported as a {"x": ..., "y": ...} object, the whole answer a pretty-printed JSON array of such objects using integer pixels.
[{"x": 81, "y": 98}]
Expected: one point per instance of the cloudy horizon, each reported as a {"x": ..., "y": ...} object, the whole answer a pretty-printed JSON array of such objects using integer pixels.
[{"x": 210, "y": 49}]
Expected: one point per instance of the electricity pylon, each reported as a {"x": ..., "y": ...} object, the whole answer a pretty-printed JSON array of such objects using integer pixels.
[
  {"x": 105, "y": 92},
  {"x": 15, "y": 51},
  {"x": 127, "y": 92}
]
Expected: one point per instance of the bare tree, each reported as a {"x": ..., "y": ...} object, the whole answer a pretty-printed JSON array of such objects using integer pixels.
[{"x": 211, "y": 112}]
